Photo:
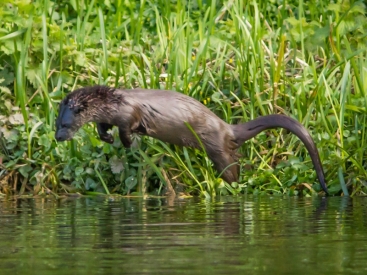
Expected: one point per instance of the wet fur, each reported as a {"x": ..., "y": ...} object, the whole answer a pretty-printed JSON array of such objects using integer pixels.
[{"x": 162, "y": 115}]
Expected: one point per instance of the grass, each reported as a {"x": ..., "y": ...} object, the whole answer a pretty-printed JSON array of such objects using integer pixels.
[{"x": 242, "y": 59}]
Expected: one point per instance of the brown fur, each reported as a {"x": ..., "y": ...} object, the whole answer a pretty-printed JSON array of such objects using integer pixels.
[{"x": 162, "y": 115}]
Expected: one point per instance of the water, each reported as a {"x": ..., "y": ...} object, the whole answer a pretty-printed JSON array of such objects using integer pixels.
[{"x": 245, "y": 235}]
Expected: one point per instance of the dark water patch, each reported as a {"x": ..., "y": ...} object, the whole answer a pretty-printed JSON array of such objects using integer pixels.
[{"x": 256, "y": 235}]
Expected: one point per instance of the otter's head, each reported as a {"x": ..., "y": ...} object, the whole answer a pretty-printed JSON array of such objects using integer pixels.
[{"x": 82, "y": 106}]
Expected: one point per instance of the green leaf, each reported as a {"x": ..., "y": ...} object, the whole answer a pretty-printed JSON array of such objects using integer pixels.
[
  {"x": 217, "y": 97},
  {"x": 131, "y": 182},
  {"x": 334, "y": 7},
  {"x": 44, "y": 140},
  {"x": 10, "y": 135},
  {"x": 90, "y": 184},
  {"x": 79, "y": 170},
  {"x": 31, "y": 74},
  {"x": 67, "y": 172},
  {"x": 6, "y": 77},
  {"x": 79, "y": 58},
  {"x": 24, "y": 170},
  {"x": 7, "y": 47},
  {"x": 117, "y": 166}
]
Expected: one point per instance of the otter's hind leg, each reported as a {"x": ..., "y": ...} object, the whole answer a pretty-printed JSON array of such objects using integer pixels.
[{"x": 226, "y": 164}]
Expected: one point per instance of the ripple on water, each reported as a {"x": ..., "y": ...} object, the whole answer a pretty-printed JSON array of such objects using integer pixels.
[{"x": 258, "y": 235}]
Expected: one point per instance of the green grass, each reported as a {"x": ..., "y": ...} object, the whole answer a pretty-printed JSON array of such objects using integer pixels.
[{"x": 243, "y": 59}]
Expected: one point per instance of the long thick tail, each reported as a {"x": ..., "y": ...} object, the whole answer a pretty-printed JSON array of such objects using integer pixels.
[{"x": 251, "y": 128}]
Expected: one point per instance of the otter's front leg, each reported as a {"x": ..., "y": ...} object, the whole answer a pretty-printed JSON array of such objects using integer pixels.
[
  {"x": 124, "y": 134},
  {"x": 102, "y": 129}
]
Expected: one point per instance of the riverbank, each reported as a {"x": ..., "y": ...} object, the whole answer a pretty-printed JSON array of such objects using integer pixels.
[{"x": 241, "y": 59}]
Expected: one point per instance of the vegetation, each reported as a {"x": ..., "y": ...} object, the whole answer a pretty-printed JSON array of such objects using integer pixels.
[{"x": 242, "y": 59}]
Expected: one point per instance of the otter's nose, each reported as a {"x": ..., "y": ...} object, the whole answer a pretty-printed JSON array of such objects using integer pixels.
[{"x": 59, "y": 136}]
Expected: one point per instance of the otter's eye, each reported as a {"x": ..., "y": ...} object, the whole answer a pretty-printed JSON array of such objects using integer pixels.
[{"x": 77, "y": 111}]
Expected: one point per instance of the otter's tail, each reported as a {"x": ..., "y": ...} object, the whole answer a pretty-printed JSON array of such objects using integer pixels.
[{"x": 251, "y": 128}]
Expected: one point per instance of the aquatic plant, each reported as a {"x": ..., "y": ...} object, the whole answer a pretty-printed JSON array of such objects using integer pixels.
[{"x": 242, "y": 59}]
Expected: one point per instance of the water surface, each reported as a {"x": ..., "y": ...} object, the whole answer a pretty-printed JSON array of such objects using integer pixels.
[{"x": 243, "y": 235}]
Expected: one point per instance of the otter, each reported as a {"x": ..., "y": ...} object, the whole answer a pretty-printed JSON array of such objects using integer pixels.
[{"x": 164, "y": 115}]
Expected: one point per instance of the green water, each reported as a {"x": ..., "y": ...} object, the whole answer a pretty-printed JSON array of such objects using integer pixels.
[{"x": 245, "y": 235}]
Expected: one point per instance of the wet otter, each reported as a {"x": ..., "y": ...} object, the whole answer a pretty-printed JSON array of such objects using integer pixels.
[{"x": 163, "y": 115}]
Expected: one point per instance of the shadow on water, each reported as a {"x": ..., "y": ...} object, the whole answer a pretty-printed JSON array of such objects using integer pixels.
[{"x": 257, "y": 235}]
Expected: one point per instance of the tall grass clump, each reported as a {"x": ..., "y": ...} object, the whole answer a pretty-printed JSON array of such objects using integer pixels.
[{"x": 242, "y": 59}]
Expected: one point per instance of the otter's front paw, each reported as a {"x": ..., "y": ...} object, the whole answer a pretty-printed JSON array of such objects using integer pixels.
[
  {"x": 107, "y": 138},
  {"x": 102, "y": 129}
]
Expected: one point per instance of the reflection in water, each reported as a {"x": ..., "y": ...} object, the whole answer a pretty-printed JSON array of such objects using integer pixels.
[{"x": 260, "y": 235}]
